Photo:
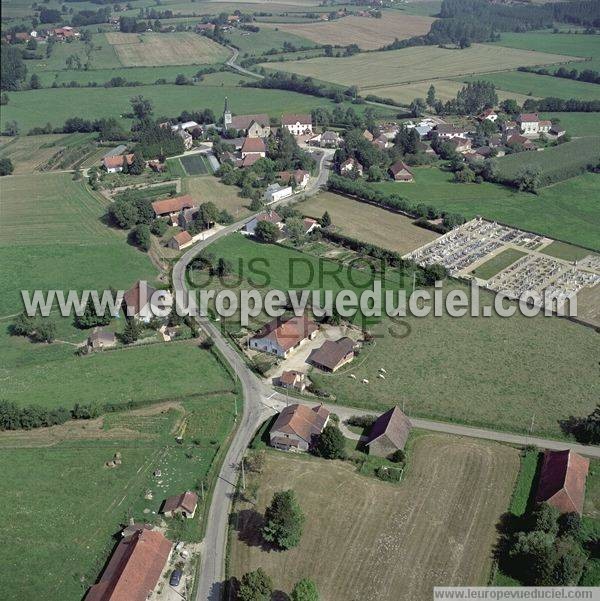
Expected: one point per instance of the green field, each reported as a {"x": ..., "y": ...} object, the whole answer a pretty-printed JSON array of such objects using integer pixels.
[
  {"x": 63, "y": 534},
  {"x": 567, "y": 210},
  {"x": 531, "y": 84},
  {"x": 496, "y": 264},
  {"x": 255, "y": 44},
  {"x": 53, "y": 237},
  {"x": 204, "y": 188},
  {"x": 381, "y": 69},
  {"x": 565, "y": 251},
  {"x": 576, "y": 124},
  {"x": 553, "y": 161},
  {"x": 37, "y": 107},
  {"x": 195, "y": 164}
]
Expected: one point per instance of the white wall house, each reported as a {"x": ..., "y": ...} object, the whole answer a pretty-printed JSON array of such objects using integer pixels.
[{"x": 297, "y": 125}]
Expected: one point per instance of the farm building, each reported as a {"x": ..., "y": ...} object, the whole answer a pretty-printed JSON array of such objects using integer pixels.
[
  {"x": 460, "y": 144},
  {"x": 447, "y": 131},
  {"x": 488, "y": 115},
  {"x": 299, "y": 177},
  {"x": 293, "y": 379},
  {"x": 380, "y": 142},
  {"x": 562, "y": 480},
  {"x": 519, "y": 140},
  {"x": 333, "y": 354},
  {"x": 531, "y": 124},
  {"x": 138, "y": 301},
  {"x": 180, "y": 240},
  {"x": 327, "y": 139},
  {"x": 297, "y": 426},
  {"x": 254, "y": 146},
  {"x": 401, "y": 172},
  {"x": 253, "y": 126},
  {"x": 297, "y": 125},
  {"x": 389, "y": 433},
  {"x": 310, "y": 224},
  {"x": 170, "y": 207},
  {"x": 114, "y": 163},
  {"x": 275, "y": 192},
  {"x": 101, "y": 338},
  {"x": 184, "y": 504},
  {"x": 186, "y": 218},
  {"x": 134, "y": 568},
  {"x": 280, "y": 337}
]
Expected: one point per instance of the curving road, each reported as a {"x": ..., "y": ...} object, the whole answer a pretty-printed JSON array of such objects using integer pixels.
[{"x": 260, "y": 402}]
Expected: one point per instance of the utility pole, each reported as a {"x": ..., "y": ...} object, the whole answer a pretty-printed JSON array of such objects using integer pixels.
[
  {"x": 243, "y": 476},
  {"x": 202, "y": 489},
  {"x": 531, "y": 426},
  {"x": 414, "y": 281}
]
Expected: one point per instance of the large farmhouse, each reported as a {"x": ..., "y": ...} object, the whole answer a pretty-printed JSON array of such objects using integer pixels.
[
  {"x": 333, "y": 354},
  {"x": 562, "y": 480},
  {"x": 297, "y": 125},
  {"x": 297, "y": 426},
  {"x": 531, "y": 124},
  {"x": 389, "y": 433},
  {"x": 134, "y": 568},
  {"x": 170, "y": 207},
  {"x": 280, "y": 337},
  {"x": 116, "y": 163}
]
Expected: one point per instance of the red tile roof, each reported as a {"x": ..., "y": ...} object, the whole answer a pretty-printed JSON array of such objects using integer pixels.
[
  {"x": 114, "y": 161},
  {"x": 244, "y": 121},
  {"x": 134, "y": 568},
  {"x": 303, "y": 119},
  {"x": 173, "y": 205},
  {"x": 271, "y": 216},
  {"x": 132, "y": 298},
  {"x": 186, "y": 501},
  {"x": 254, "y": 145},
  {"x": 182, "y": 238},
  {"x": 562, "y": 480},
  {"x": 399, "y": 166},
  {"x": 528, "y": 118},
  {"x": 302, "y": 421},
  {"x": 290, "y": 377},
  {"x": 288, "y": 333}
]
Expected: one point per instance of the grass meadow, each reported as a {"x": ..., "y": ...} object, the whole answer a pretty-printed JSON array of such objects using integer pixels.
[
  {"x": 567, "y": 210},
  {"x": 53, "y": 237},
  {"x": 33, "y": 108},
  {"x": 205, "y": 189},
  {"x": 497, "y": 263},
  {"x": 269, "y": 37},
  {"x": 65, "y": 531},
  {"x": 390, "y": 550},
  {"x": 420, "y": 63},
  {"x": 576, "y": 124}
]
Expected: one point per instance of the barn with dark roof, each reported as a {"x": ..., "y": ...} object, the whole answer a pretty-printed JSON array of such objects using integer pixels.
[{"x": 389, "y": 433}]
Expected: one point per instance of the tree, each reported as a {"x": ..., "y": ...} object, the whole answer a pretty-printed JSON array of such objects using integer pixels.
[
  {"x": 295, "y": 228},
  {"x": 257, "y": 204},
  {"x": 528, "y": 179},
  {"x": 140, "y": 236},
  {"x": 267, "y": 232},
  {"x": 6, "y": 166},
  {"x": 3, "y": 98},
  {"x": 12, "y": 128},
  {"x": 534, "y": 552},
  {"x": 23, "y": 325},
  {"x": 510, "y": 106},
  {"x": 325, "y": 220},
  {"x": 374, "y": 173},
  {"x": 223, "y": 267},
  {"x": 142, "y": 108},
  {"x": 417, "y": 107},
  {"x": 123, "y": 214},
  {"x": 586, "y": 429},
  {"x": 131, "y": 332},
  {"x": 255, "y": 586},
  {"x": 431, "y": 95},
  {"x": 305, "y": 590},
  {"x": 284, "y": 520},
  {"x": 207, "y": 215},
  {"x": 137, "y": 164},
  {"x": 34, "y": 82},
  {"x": 45, "y": 331},
  {"x": 331, "y": 443},
  {"x": 90, "y": 317}
]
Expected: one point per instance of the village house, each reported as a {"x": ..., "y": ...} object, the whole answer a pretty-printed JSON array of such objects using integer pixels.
[
  {"x": 530, "y": 124},
  {"x": 138, "y": 301},
  {"x": 270, "y": 216},
  {"x": 310, "y": 225},
  {"x": 389, "y": 130},
  {"x": 134, "y": 568},
  {"x": 180, "y": 241},
  {"x": 381, "y": 142},
  {"x": 562, "y": 481},
  {"x": 488, "y": 115},
  {"x": 253, "y": 126},
  {"x": 351, "y": 165},
  {"x": 293, "y": 379},
  {"x": 205, "y": 27},
  {"x": 557, "y": 130},
  {"x": 518, "y": 140},
  {"x": 297, "y": 125},
  {"x": 282, "y": 336},
  {"x": 171, "y": 207},
  {"x": 115, "y": 163},
  {"x": 297, "y": 427},
  {"x": 254, "y": 147},
  {"x": 299, "y": 178},
  {"x": 446, "y": 131},
  {"x": 100, "y": 338},
  {"x": 389, "y": 433},
  {"x": 156, "y": 166},
  {"x": 367, "y": 135},
  {"x": 275, "y": 192},
  {"x": 184, "y": 504},
  {"x": 333, "y": 354},
  {"x": 401, "y": 172},
  {"x": 186, "y": 217},
  {"x": 188, "y": 139},
  {"x": 460, "y": 144},
  {"x": 327, "y": 139}
]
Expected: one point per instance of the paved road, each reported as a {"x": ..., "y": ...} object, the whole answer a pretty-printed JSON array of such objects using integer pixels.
[{"x": 233, "y": 64}]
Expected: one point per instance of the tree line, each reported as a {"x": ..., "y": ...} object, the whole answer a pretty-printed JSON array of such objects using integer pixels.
[
  {"x": 14, "y": 417},
  {"x": 587, "y": 75}
]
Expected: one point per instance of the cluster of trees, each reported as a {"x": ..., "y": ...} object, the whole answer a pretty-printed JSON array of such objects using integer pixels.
[
  {"x": 155, "y": 141},
  {"x": 571, "y": 105},
  {"x": 91, "y": 17},
  {"x": 90, "y": 317},
  {"x": 13, "y": 70},
  {"x": 585, "y": 429},
  {"x": 544, "y": 548},
  {"x": 13, "y": 417},
  {"x": 132, "y": 25},
  {"x": 208, "y": 214},
  {"x": 37, "y": 329},
  {"x": 258, "y": 586},
  {"x": 341, "y": 117},
  {"x": 284, "y": 521},
  {"x": 587, "y": 75},
  {"x": 6, "y": 166}
]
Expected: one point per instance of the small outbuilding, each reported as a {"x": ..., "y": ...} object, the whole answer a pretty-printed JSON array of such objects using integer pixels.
[
  {"x": 101, "y": 338},
  {"x": 389, "y": 433},
  {"x": 184, "y": 504}
]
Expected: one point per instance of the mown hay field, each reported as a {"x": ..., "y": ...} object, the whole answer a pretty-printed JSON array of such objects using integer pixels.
[
  {"x": 375, "y": 541},
  {"x": 445, "y": 89},
  {"x": 381, "y": 69},
  {"x": 156, "y": 49},
  {"x": 367, "y": 33},
  {"x": 369, "y": 223},
  {"x": 208, "y": 188}
]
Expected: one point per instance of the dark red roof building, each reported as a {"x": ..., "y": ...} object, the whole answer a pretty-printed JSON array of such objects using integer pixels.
[{"x": 389, "y": 433}]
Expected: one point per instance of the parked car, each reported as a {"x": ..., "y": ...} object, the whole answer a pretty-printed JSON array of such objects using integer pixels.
[{"x": 175, "y": 578}]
